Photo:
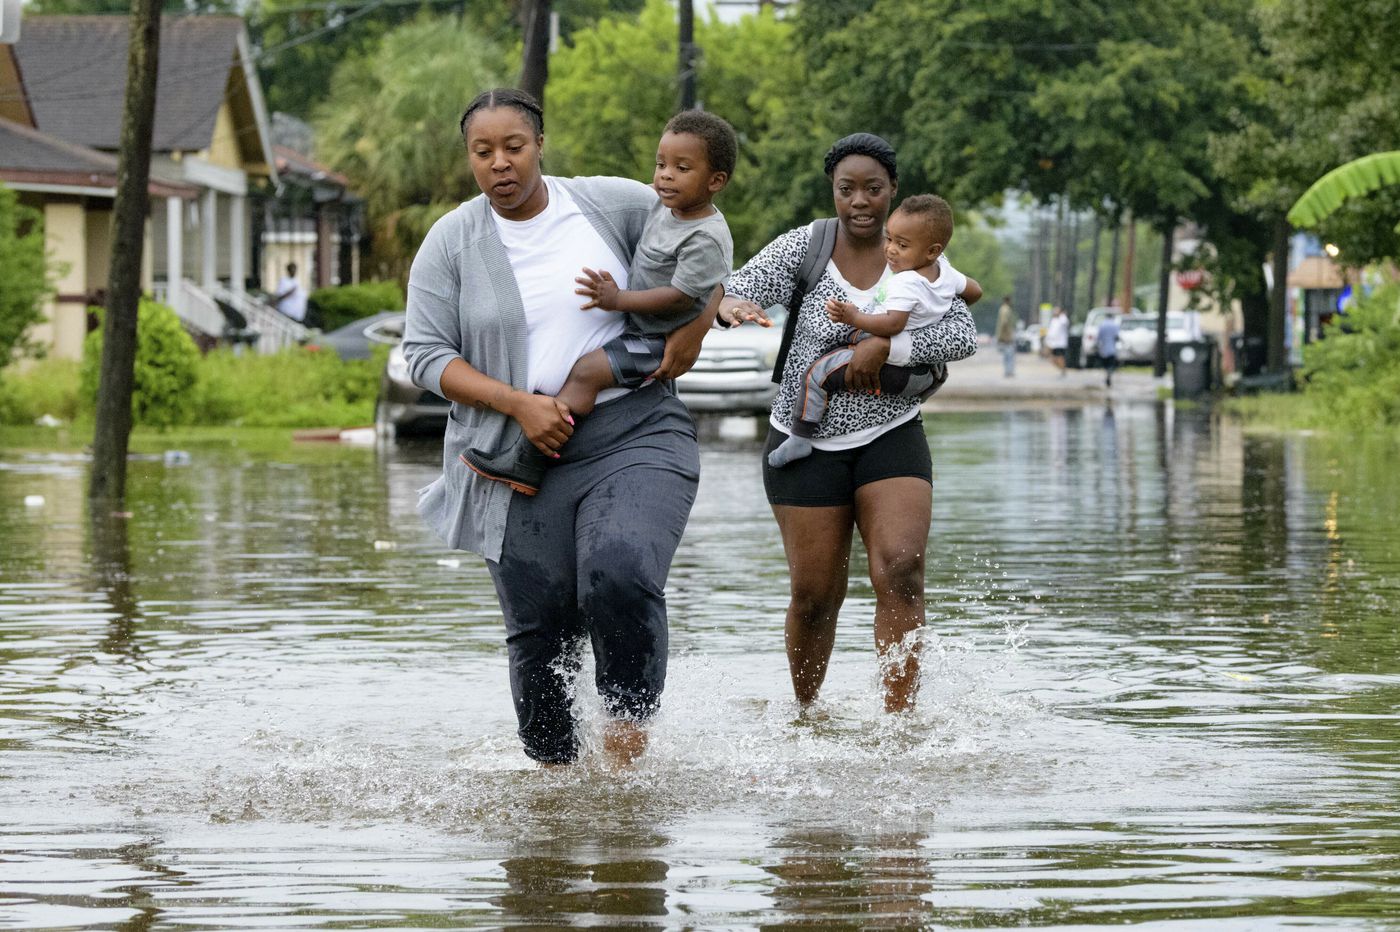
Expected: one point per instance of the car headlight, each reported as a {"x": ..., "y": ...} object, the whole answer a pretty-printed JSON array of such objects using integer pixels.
[
  {"x": 770, "y": 357},
  {"x": 397, "y": 368}
]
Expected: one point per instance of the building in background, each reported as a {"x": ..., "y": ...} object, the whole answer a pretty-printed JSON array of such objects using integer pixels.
[{"x": 212, "y": 170}]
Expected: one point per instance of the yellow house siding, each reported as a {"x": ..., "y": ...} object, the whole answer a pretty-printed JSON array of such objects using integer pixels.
[
  {"x": 223, "y": 147},
  {"x": 99, "y": 246},
  {"x": 65, "y": 236}
]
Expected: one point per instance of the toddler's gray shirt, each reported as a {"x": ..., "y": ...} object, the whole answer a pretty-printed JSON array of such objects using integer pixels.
[{"x": 692, "y": 256}]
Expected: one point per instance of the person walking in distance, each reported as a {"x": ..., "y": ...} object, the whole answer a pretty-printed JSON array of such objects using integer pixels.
[
  {"x": 1108, "y": 347},
  {"x": 1057, "y": 339},
  {"x": 1006, "y": 337}
]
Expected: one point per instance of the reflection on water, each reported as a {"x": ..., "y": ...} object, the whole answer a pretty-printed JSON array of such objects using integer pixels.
[{"x": 1162, "y": 675}]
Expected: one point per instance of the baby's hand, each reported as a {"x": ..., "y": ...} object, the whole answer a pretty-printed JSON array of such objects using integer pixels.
[
  {"x": 841, "y": 312},
  {"x": 600, "y": 289}
]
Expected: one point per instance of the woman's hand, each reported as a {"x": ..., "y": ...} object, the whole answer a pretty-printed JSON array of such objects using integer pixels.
[
  {"x": 682, "y": 349},
  {"x": 545, "y": 421},
  {"x": 736, "y": 311},
  {"x": 863, "y": 372}
]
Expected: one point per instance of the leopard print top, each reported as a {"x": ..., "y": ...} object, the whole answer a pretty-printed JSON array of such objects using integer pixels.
[{"x": 770, "y": 277}]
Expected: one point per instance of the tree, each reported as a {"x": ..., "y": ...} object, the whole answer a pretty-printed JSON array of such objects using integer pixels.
[
  {"x": 107, "y": 480},
  {"x": 534, "y": 69},
  {"x": 300, "y": 45},
  {"x": 302, "y": 42},
  {"x": 23, "y": 273},
  {"x": 87, "y": 7},
  {"x": 1352, "y": 180},
  {"x": 390, "y": 124},
  {"x": 614, "y": 88}
]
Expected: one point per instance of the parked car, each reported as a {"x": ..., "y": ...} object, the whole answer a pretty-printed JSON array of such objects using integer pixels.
[
  {"x": 1027, "y": 339},
  {"x": 1137, "y": 338},
  {"x": 402, "y": 408},
  {"x": 733, "y": 375},
  {"x": 1090, "y": 346},
  {"x": 357, "y": 339},
  {"x": 734, "y": 372}
]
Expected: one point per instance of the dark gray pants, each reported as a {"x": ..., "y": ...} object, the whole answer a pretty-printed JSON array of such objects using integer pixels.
[{"x": 588, "y": 558}]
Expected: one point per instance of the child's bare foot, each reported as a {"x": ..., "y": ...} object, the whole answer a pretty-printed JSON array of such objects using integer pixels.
[{"x": 624, "y": 742}]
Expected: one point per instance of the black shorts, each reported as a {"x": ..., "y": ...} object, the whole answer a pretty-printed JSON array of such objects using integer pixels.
[
  {"x": 1059, "y": 351},
  {"x": 829, "y": 478}
]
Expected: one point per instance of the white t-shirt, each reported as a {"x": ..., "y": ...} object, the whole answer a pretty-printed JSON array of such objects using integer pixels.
[
  {"x": 547, "y": 252},
  {"x": 926, "y": 301},
  {"x": 1057, "y": 334},
  {"x": 294, "y": 304}
]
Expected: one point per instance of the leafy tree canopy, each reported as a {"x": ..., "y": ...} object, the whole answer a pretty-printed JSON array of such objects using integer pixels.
[{"x": 390, "y": 124}]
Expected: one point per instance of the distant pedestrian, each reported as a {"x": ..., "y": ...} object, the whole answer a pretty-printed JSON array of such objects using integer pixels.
[
  {"x": 1006, "y": 337},
  {"x": 1057, "y": 339},
  {"x": 290, "y": 298},
  {"x": 1108, "y": 347}
]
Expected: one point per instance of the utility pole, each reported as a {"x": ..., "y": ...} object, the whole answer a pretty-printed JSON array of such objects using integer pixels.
[
  {"x": 1109, "y": 292},
  {"x": 107, "y": 481},
  {"x": 686, "y": 65},
  {"x": 1164, "y": 285},
  {"x": 534, "y": 70},
  {"x": 1094, "y": 262},
  {"x": 1072, "y": 278},
  {"x": 1057, "y": 287},
  {"x": 1128, "y": 258},
  {"x": 1278, "y": 298}
]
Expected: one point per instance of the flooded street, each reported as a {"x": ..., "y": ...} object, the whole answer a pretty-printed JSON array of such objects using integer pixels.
[{"x": 1162, "y": 681}]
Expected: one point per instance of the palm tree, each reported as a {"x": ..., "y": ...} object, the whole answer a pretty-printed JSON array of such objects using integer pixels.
[{"x": 1354, "y": 179}]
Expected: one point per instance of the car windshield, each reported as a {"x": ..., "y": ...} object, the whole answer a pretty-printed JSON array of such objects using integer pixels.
[{"x": 1138, "y": 323}]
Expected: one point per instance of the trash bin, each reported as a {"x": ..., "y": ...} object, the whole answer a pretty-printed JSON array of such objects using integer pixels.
[
  {"x": 1193, "y": 368},
  {"x": 1074, "y": 350},
  {"x": 1251, "y": 354}
]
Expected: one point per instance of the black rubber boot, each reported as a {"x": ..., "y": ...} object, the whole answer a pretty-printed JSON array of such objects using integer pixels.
[{"x": 519, "y": 466}]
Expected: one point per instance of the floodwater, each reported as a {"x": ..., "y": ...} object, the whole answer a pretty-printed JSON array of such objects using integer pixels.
[{"x": 1163, "y": 665}]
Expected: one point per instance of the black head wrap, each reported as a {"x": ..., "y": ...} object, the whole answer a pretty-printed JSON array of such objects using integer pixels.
[{"x": 861, "y": 144}]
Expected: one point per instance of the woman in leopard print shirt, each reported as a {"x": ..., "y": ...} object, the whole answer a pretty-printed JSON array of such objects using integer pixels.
[{"x": 870, "y": 469}]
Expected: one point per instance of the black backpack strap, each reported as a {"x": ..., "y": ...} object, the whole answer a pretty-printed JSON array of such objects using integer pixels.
[{"x": 818, "y": 254}]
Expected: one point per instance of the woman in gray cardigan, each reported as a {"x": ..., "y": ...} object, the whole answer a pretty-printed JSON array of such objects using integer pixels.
[{"x": 494, "y": 326}]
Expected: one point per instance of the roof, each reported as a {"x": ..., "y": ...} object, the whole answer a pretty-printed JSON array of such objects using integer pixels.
[
  {"x": 75, "y": 73},
  {"x": 30, "y": 158},
  {"x": 1316, "y": 272},
  {"x": 292, "y": 162}
]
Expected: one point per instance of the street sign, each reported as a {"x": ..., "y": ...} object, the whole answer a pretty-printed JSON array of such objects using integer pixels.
[{"x": 9, "y": 21}]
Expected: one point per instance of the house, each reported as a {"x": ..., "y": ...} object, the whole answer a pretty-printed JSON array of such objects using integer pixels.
[
  {"x": 73, "y": 187},
  {"x": 314, "y": 220},
  {"x": 211, "y": 159}
]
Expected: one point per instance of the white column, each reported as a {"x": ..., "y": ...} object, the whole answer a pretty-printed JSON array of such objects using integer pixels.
[
  {"x": 174, "y": 251},
  {"x": 238, "y": 242},
  {"x": 209, "y": 234}
]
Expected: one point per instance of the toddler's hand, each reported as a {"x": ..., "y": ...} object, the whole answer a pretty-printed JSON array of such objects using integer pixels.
[
  {"x": 841, "y": 312},
  {"x": 600, "y": 289}
]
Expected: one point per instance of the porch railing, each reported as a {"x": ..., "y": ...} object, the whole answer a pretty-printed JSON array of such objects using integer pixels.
[{"x": 199, "y": 309}]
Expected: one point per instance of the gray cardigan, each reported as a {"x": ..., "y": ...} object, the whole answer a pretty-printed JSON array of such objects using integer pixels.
[{"x": 463, "y": 302}]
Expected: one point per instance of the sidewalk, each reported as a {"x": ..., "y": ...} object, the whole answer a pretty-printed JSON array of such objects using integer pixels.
[{"x": 979, "y": 380}]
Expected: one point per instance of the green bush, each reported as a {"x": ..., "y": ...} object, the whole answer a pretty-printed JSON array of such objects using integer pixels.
[
  {"x": 336, "y": 307},
  {"x": 167, "y": 368},
  {"x": 49, "y": 386},
  {"x": 1353, "y": 374},
  {"x": 23, "y": 274},
  {"x": 298, "y": 387}
]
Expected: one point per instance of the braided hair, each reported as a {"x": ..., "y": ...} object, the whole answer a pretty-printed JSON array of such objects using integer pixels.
[
  {"x": 861, "y": 144},
  {"x": 528, "y": 106}
]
